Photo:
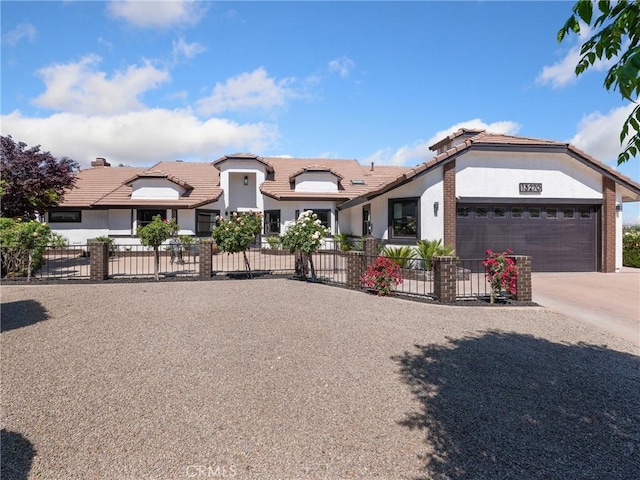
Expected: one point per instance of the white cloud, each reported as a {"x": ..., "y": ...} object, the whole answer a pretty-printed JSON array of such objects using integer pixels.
[
  {"x": 22, "y": 31},
  {"x": 80, "y": 88},
  {"x": 248, "y": 91},
  {"x": 138, "y": 138},
  {"x": 157, "y": 14},
  {"x": 599, "y": 134},
  {"x": 562, "y": 72},
  {"x": 419, "y": 152},
  {"x": 187, "y": 50},
  {"x": 343, "y": 65}
]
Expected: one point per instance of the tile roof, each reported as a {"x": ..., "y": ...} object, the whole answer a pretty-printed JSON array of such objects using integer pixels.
[
  {"x": 487, "y": 140},
  {"x": 279, "y": 187},
  {"x": 314, "y": 168},
  {"x": 112, "y": 187}
]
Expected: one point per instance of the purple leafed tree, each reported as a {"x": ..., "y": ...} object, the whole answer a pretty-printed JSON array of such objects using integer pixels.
[{"x": 32, "y": 181}]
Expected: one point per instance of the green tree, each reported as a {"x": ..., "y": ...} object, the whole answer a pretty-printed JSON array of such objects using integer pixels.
[
  {"x": 23, "y": 244},
  {"x": 616, "y": 34},
  {"x": 154, "y": 234},
  {"x": 236, "y": 234},
  {"x": 305, "y": 236},
  {"x": 32, "y": 181}
]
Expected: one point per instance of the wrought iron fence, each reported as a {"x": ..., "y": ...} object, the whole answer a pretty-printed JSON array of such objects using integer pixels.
[
  {"x": 138, "y": 261},
  {"x": 471, "y": 280},
  {"x": 68, "y": 262}
]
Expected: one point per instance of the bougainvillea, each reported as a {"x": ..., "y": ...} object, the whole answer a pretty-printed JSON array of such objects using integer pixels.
[
  {"x": 501, "y": 272},
  {"x": 382, "y": 275}
]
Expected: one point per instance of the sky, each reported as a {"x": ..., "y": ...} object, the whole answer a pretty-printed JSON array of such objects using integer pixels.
[{"x": 138, "y": 82}]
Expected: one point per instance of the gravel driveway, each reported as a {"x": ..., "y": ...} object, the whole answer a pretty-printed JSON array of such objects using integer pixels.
[{"x": 278, "y": 379}]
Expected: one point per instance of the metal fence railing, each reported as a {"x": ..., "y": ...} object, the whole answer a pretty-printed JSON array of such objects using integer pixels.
[
  {"x": 471, "y": 280},
  {"x": 331, "y": 265},
  {"x": 68, "y": 262},
  {"x": 137, "y": 261}
]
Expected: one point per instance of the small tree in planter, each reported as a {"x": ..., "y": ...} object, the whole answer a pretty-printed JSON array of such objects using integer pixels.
[
  {"x": 305, "y": 236},
  {"x": 235, "y": 235},
  {"x": 502, "y": 273},
  {"x": 154, "y": 234}
]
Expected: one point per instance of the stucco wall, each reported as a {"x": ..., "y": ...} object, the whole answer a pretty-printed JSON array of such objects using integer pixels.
[
  {"x": 491, "y": 175},
  {"x": 95, "y": 223},
  {"x": 316, "y": 182},
  {"x": 159, "y": 188}
]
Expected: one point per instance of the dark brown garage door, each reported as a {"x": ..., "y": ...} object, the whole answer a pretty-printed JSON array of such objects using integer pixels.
[{"x": 559, "y": 238}]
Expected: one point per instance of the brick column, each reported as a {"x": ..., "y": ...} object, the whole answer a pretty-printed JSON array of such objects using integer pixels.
[
  {"x": 355, "y": 268},
  {"x": 608, "y": 225},
  {"x": 445, "y": 278},
  {"x": 98, "y": 261},
  {"x": 449, "y": 207},
  {"x": 205, "y": 253},
  {"x": 524, "y": 292},
  {"x": 370, "y": 242}
]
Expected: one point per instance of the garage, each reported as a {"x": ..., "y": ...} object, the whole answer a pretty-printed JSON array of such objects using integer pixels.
[{"x": 559, "y": 238}]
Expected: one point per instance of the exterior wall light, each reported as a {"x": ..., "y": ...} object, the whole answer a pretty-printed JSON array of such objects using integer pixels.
[
  {"x": 436, "y": 207},
  {"x": 618, "y": 207},
  {"x": 246, "y": 180}
]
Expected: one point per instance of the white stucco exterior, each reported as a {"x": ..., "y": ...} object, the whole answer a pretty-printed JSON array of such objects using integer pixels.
[
  {"x": 318, "y": 182},
  {"x": 156, "y": 189}
]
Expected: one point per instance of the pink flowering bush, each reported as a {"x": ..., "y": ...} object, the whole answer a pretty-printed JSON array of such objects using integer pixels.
[
  {"x": 382, "y": 275},
  {"x": 502, "y": 273}
]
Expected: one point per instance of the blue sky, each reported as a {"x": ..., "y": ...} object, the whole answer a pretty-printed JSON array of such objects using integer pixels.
[{"x": 140, "y": 82}]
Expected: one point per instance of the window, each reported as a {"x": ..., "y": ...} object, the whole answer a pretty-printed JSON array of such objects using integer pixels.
[
  {"x": 63, "y": 216},
  {"x": 205, "y": 221},
  {"x": 366, "y": 220},
  {"x": 499, "y": 212},
  {"x": 145, "y": 217},
  {"x": 272, "y": 222},
  {"x": 516, "y": 212},
  {"x": 585, "y": 212},
  {"x": 534, "y": 212},
  {"x": 464, "y": 211},
  {"x": 404, "y": 218},
  {"x": 568, "y": 213},
  {"x": 324, "y": 216},
  {"x": 482, "y": 212},
  {"x": 551, "y": 212}
]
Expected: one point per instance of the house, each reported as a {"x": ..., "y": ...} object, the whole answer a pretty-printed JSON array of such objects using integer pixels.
[{"x": 481, "y": 190}]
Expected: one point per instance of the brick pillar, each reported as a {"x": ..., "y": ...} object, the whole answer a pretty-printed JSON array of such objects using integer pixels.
[
  {"x": 355, "y": 268},
  {"x": 523, "y": 283},
  {"x": 608, "y": 225},
  {"x": 205, "y": 253},
  {"x": 449, "y": 207},
  {"x": 445, "y": 278},
  {"x": 98, "y": 261},
  {"x": 370, "y": 251}
]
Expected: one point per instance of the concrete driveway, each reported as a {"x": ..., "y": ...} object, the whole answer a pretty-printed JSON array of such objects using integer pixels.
[{"x": 610, "y": 301}]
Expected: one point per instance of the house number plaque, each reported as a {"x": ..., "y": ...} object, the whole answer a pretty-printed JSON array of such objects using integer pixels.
[{"x": 530, "y": 188}]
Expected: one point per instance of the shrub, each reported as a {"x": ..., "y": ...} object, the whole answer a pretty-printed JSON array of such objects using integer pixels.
[
  {"x": 427, "y": 249},
  {"x": 382, "y": 275},
  {"x": 343, "y": 241},
  {"x": 305, "y": 237},
  {"x": 400, "y": 255},
  {"x": 631, "y": 248},
  {"x": 502, "y": 273},
  {"x": 23, "y": 244},
  {"x": 275, "y": 242},
  {"x": 235, "y": 234},
  {"x": 154, "y": 234}
]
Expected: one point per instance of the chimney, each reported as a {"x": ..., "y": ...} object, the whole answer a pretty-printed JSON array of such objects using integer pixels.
[
  {"x": 372, "y": 166},
  {"x": 100, "y": 162}
]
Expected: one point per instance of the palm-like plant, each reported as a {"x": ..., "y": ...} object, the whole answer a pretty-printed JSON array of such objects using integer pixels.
[
  {"x": 427, "y": 249},
  {"x": 400, "y": 255}
]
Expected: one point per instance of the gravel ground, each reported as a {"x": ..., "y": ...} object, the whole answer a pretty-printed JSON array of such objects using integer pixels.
[{"x": 281, "y": 379}]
